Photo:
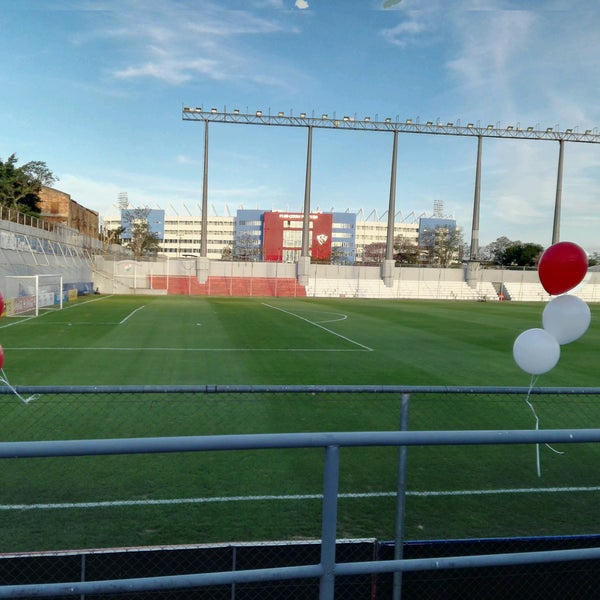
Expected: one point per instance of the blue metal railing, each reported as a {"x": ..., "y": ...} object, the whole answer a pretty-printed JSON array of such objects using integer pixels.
[{"x": 327, "y": 569}]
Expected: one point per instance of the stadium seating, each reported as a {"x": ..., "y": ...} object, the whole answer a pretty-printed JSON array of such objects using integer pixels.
[
  {"x": 228, "y": 286},
  {"x": 526, "y": 292},
  {"x": 323, "y": 287},
  {"x": 405, "y": 288}
]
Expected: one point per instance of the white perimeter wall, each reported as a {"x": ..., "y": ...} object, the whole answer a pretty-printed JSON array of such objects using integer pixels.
[{"x": 129, "y": 276}]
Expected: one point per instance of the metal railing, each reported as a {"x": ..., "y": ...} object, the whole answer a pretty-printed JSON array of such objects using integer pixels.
[{"x": 326, "y": 570}]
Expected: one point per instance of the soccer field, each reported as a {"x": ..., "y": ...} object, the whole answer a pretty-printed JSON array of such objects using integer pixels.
[
  {"x": 182, "y": 340},
  {"x": 213, "y": 497}
]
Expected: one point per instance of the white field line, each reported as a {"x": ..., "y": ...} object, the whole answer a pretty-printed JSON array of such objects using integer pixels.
[
  {"x": 48, "y": 312},
  {"x": 157, "y": 349},
  {"x": 287, "y": 312},
  {"x": 131, "y": 314},
  {"x": 291, "y": 497}
]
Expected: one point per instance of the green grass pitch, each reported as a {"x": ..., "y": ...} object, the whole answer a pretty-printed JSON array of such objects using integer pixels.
[{"x": 213, "y": 497}]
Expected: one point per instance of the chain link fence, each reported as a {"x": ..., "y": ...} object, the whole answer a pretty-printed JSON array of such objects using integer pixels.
[{"x": 146, "y": 504}]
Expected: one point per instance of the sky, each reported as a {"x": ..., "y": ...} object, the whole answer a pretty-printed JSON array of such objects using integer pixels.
[{"x": 95, "y": 89}]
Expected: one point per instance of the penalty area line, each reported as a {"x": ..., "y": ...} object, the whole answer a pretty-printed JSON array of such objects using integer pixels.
[
  {"x": 131, "y": 314},
  {"x": 26, "y": 319},
  {"x": 288, "y": 497},
  {"x": 287, "y": 312}
]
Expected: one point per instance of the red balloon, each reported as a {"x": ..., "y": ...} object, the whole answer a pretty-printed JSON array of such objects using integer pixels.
[{"x": 562, "y": 267}]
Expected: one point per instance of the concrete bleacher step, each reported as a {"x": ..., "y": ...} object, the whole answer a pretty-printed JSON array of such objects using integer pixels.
[{"x": 228, "y": 286}]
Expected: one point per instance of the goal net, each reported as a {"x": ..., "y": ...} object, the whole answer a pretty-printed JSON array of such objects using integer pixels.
[{"x": 30, "y": 294}]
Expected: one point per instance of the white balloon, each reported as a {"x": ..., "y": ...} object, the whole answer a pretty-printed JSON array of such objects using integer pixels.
[
  {"x": 566, "y": 318},
  {"x": 536, "y": 351}
]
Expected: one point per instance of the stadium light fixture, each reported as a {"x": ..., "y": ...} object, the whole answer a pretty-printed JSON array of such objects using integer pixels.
[{"x": 408, "y": 125}]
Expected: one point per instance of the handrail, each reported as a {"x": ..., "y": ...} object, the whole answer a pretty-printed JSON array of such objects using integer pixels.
[{"x": 327, "y": 569}]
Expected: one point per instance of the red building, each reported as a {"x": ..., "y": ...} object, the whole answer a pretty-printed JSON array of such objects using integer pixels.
[{"x": 282, "y": 236}]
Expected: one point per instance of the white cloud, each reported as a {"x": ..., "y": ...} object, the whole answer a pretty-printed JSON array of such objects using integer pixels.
[
  {"x": 407, "y": 32},
  {"x": 185, "y": 43}
]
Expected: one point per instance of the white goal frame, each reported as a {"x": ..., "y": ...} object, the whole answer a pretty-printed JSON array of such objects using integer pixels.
[{"x": 40, "y": 296}]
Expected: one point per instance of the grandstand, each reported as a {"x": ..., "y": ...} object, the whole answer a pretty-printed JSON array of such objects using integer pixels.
[
  {"x": 43, "y": 267},
  {"x": 227, "y": 278},
  {"x": 29, "y": 252}
]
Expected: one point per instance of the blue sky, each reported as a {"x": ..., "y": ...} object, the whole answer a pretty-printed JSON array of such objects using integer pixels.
[{"x": 96, "y": 88}]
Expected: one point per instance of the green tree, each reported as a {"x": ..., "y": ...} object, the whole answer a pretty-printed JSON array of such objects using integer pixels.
[
  {"x": 522, "y": 254},
  {"x": 20, "y": 186},
  {"x": 338, "y": 256},
  {"x": 112, "y": 236},
  {"x": 443, "y": 245},
  {"x": 495, "y": 251},
  {"x": 406, "y": 252},
  {"x": 507, "y": 253},
  {"x": 137, "y": 234}
]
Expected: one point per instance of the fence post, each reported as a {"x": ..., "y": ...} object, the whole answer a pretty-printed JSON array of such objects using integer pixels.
[
  {"x": 83, "y": 569},
  {"x": 233, "y": 568},
  {"x": 329, "y": 522},
  {"x": 401, "y": 498}
]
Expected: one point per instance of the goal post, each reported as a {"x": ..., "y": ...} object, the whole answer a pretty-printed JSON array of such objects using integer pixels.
[{"x": 31, "y": 293}]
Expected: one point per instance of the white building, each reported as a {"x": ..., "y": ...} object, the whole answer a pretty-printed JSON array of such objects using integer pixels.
[{"x": 182, "y": 234}]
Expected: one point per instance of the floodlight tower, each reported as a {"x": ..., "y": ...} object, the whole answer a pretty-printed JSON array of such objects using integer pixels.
[{"x": 395, "y": 127}]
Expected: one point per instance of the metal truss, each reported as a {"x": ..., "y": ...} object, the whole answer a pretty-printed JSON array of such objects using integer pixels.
[{"x": 408, "y": 126}]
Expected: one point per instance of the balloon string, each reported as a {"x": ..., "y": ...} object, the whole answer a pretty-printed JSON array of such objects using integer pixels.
[
  {"x": 537, "y": 426},
  {"x": 4, "y": 380}
]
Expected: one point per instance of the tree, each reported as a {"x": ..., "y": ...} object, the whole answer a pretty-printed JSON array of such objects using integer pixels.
[
  {"x": 137, "y": 234},
  {"x": 406, "y": 252},
  {"x": 497, "y": 249},
  {"x": 508, "y": 253},
  {"x": 522, "y": 254},
  {"x": 374, "y": 253},
  {"x": 594, "y": 259},
  {"x": 442, "y": 245},
  {"x": 247, "y": 248},
  {"x": 113, "y": 236},
  {"x": 20, "y": 186},
  {"x": 338, "y": 256}
]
